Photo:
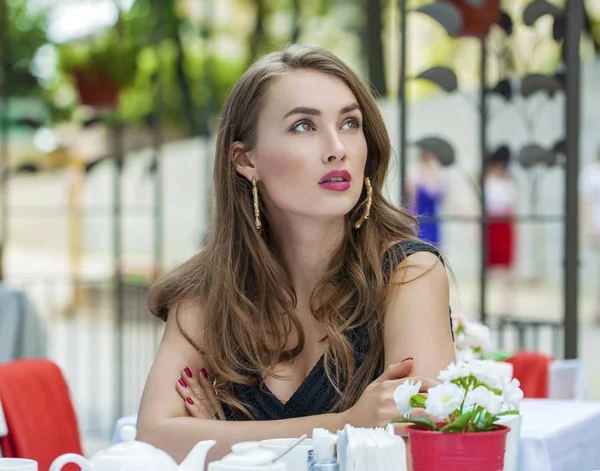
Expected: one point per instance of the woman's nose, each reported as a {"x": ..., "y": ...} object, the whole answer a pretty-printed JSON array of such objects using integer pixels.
[{"x": 335, "y": 149}]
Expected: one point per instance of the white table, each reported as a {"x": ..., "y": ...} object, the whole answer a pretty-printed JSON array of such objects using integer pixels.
[{"x": 559, "y": 435}]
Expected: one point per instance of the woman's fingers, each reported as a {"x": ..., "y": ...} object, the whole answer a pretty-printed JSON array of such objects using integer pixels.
[
  {"x": 400, "y": 429},
  {"x": 419, "y": 413},
  {"x": 193, "y": 396},
  {"x": 186, "y": 394},
  {"x": 426, "y": 383},
  {"x": 209, "y": 393}
]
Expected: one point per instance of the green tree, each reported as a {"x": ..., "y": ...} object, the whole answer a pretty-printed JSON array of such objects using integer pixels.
[{"x": 25, "y": 34}]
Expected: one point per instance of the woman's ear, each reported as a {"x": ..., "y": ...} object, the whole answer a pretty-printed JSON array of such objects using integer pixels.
[{"x": 242, "y": 161}]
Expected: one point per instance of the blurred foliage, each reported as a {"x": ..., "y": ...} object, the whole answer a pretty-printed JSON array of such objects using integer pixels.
[
  {"x": 26, "y": 33},
  {"x": 166, "y": 60},
  {"x": 174, "y": 57},
  {"x": 110, "y": 55},
  {"x": 158, "y": 71}
]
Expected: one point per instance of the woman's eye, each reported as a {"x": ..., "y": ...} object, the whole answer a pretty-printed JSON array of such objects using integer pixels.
[
  {"x": 303, "y": 127},
  {"x": 351, "y": 124}
]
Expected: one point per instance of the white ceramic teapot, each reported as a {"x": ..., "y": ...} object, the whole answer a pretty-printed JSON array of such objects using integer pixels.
[
  {"x": 132, "y": 455},
  {"x": 248, "y": 456}
]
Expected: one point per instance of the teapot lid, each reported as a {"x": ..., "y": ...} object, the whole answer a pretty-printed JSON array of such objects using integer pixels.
[
  {"x": 248, "y": 454},
  {"x": 131, "y": 448}
]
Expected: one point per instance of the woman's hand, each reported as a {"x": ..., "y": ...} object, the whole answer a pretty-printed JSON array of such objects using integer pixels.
[
  {"x": 199, "y": 396},
  {"x": 376, "y": 407}
]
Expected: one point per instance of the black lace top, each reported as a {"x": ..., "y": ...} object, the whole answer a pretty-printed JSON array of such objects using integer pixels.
[{"x": 316, "y": 395}]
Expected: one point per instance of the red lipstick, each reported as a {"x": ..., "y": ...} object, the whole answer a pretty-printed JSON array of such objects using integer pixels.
[{"x": 336, "y": 180}]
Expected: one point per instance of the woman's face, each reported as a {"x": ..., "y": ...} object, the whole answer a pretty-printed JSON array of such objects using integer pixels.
[{"x": 310, "y": 153}]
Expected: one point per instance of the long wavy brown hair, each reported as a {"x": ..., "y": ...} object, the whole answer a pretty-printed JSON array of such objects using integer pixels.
[{"x": 247, "y": 299}]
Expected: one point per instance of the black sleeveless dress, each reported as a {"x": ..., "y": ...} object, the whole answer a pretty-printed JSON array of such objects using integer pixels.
[{"x": 316, "y": 395}]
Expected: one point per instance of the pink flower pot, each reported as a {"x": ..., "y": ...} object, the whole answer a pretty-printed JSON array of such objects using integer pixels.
[{"x": 476, "y": 451}]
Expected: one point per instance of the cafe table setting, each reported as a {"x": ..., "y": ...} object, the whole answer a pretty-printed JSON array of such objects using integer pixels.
[
  {"x": 481, "y": 422},
  {"x": 469, "y": 401},
  {"x": 546, "y": 435}
]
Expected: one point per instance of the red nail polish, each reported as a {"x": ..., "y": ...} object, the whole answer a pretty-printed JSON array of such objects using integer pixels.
[
  {"x": 182, "y": 382},
  {"x": 406, "y": 359},
  {"x": 204, "y": 373},
  {"x": 188, "y": 372},
  {"x": 189, "y": 401}
]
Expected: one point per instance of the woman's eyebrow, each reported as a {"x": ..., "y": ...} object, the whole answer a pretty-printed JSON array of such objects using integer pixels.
[
  {"x": 316, "y": 112},
  {"x": 303, "y": 110},
  {"x": 352, "y": 107}
]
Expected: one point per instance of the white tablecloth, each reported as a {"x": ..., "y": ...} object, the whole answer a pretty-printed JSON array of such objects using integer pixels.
[{"x": 559, "y": 435}]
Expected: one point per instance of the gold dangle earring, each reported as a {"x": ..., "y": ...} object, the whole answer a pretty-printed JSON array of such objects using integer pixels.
[
  {"x": 368, "y": 204},
  {"x": 257, "y": 223}
]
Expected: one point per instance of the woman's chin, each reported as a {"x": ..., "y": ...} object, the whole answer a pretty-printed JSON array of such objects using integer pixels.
[{"x": 333, "y": 215}]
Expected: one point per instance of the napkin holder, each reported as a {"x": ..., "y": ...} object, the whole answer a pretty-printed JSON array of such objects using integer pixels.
[{"x": 375, "y": 449}]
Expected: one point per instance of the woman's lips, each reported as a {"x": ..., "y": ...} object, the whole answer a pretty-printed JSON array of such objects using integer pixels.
[
  {"x": 335, "y": 186},
  {"x": 336, "y": 180}
]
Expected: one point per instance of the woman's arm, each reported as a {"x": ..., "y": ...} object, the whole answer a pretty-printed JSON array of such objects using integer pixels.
[
  {"x": 178, "y": 435},
  {"x": 163, "y": 419},
  {"x": 416, "y": 322}
]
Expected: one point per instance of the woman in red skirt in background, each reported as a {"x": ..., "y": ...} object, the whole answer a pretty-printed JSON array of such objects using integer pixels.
[{"x": 501, "y": 200}]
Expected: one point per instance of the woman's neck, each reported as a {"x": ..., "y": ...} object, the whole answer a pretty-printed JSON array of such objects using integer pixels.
[{"x": 306, "y": 248}]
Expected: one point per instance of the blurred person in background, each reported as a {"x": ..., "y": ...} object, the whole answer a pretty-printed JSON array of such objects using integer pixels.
[
  {"x": 313, "y": 299},
  {"x": 501, "y": 193},
  {"x": 427, "y": 187},
  {"x": 589, "y": 190}
]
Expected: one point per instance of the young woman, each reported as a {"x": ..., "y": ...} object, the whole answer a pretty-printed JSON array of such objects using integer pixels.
[
  {"x": 502, "y": 196},
  {"x": 312, "y": 300},
  {"x": 427, "y": 190}
]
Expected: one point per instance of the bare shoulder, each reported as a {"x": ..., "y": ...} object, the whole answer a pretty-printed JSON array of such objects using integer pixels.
[
  {"x": 187, "y": 316},
  {"x": 416, "y": 320},
  {"x": 423, "y": 264}
]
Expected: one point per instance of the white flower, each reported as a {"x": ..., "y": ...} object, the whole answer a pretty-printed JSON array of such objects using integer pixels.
[
  {"x": 444, "y": 399},
  {"x": 479, "y": 335},
  {"x": 461, "y": 341},
  {"x": 458, "y": 320},
  {"x": 465, "y": 355},
  {"x": 486, "y": 373},
  {"x": 403, "y": 393},
  {"x": 500, "y": 369},
  {"x": 460, "y": 369},
  {"x": 483, "y": 397},
  {"x": 473, "y": 338},
  {"x": 512, "y": 393}
]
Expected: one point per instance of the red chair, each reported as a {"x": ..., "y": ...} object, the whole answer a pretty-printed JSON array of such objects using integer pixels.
[
  {"x": 39, "y": 414},
  {"x": 532, "y": 370}
]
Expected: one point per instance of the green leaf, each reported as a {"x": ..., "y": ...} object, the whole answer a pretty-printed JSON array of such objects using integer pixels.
[
  {"x": 509, "y": 412},
  {"x": 497, "y": 355},
  {"x": 416, "y": 421},
  {"x": 485, "y": 429},
  {"x": 418, "y": 400},
  {"x": 459, "y": 424}
]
